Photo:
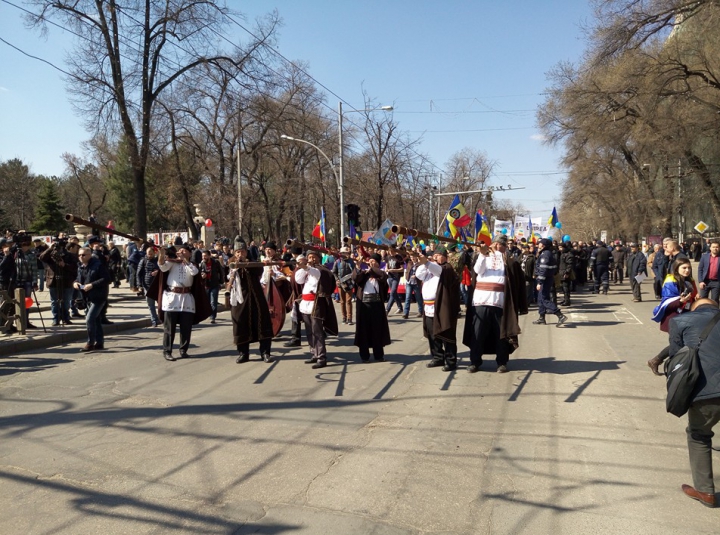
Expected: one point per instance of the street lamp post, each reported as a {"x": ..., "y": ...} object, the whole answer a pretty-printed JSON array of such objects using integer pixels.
[
  {"x": 332, "y": 167},
  {"x": 341, "y": 171}
]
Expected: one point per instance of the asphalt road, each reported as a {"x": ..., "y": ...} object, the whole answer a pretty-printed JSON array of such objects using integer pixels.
[{"x": 573, "y": 440}]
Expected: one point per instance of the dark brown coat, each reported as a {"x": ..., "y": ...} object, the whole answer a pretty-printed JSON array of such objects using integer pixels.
[
  {"x": 447, "y": 306},
  {"x": 202, "y": 301},
  {"x": 371, "y": 328},
  {"x": 251, "y": 319},
  {"x": 515, "y": 305}
]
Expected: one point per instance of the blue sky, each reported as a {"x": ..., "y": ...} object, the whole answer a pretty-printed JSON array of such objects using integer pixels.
[{"x": 459, "y": 74}]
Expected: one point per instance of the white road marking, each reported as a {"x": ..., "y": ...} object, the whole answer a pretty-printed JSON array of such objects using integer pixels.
[{"x": 625, "y": 316}]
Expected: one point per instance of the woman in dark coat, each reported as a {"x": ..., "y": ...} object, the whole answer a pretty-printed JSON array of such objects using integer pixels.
[
  {"x": 371, "y": 330},
  {"x": 249, "y": 308}
]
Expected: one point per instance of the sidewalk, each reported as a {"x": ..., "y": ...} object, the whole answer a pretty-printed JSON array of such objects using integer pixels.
[{"x": 126, "y": 311}]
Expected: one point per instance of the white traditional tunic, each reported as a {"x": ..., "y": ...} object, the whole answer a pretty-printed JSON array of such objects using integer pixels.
[
  {"x": 371, "y": 287},
  {"x": 490, "y": 286},
  {"x": 430, "y": 275},
  {"x": 178, "y": 275},
  {"x": 271, "y": 272},
  {"x": 310, "y": 277}
]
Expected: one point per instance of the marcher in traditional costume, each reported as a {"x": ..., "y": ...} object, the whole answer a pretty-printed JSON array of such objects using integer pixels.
[
  {"x": 441, "y": 299},
  {"x": 316, "y": 305},
  {"x": 248, "y": 308},
  {"x": 295, "y": 298},
  {"x": 497, "y": 296},
  {"x": 372, "y": 329},
  {"x": 182, "y": 296}
]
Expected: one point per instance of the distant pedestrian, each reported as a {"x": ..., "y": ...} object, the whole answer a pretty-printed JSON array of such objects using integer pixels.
[
  {"x": 92, "y": 281},
  {"x": 709, "y": 272}
]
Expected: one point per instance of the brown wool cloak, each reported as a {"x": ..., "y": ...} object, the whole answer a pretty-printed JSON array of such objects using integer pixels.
[
  {"x": 447, "y": 306},
  {"x": 251, "y": 318},
  {"x": 371, "y": 324},
  {"x": 515, "y": 305},
  {"x": 202, "y": 301},
  {"x": 323, "y": 308}
]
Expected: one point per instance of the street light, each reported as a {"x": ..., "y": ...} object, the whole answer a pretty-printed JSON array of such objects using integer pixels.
[
  {"x": 332, "y": 167},
  {"x": 341, "y": 179}
]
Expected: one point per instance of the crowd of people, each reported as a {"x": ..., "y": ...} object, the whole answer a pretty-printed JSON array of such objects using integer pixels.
[{"x": 491, "y": 284}]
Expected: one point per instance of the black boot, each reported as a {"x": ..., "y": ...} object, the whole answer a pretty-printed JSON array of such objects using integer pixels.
[
  {"x": 540, "y": 321},
  {"x": 562, "y": 318}
]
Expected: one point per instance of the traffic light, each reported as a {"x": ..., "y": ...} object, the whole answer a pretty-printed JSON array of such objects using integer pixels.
[{"x": 353, "y": 213}]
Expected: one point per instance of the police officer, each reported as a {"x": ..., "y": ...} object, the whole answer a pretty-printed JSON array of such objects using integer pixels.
[{"x": 545, "y": 270}]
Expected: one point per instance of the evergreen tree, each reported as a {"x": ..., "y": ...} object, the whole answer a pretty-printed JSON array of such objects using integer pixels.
[{"x": 49, "y": 213}]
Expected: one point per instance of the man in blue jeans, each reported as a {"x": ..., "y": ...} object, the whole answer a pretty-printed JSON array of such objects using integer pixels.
[
  {"x": 61, "y": 267},
  {"x": 394, "y": 269},
  {"x": 412, "y": 287},
  {"x": 213, "y": 275},
  {"x": 93, "y": 279}
]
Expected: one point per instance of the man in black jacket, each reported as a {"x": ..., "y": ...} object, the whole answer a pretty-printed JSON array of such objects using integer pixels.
[
  {"x": 704, "y": 413},
  {"x": 600, "y": 260},
  {"x": 636, "y": 265},
  {"x": 566, "y": 271},
  {"x": 93, "y": 280}
]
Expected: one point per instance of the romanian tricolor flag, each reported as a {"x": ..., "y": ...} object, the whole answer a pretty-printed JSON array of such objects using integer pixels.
[
  {"x": 456, "y": 217},
  {"x": 482, "y": 232},
  {"x": 319, "y": 230}
]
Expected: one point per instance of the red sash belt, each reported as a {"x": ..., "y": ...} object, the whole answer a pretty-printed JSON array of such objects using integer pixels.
[
  {"x": 308, "y": 297},
  {"x": 180, "y": 289},
  {"x": 427, "y": 302},
  {"x": 490, "y": 286}
]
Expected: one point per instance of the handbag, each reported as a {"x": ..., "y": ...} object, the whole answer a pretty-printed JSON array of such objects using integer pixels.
[{"x": 682, "y": 371}]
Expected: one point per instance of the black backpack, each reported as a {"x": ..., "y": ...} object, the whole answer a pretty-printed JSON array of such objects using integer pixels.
[{"x": 682, "y": 371}]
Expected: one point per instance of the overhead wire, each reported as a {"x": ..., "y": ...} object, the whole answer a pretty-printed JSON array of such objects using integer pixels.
[{"x": 288, "y": 61}]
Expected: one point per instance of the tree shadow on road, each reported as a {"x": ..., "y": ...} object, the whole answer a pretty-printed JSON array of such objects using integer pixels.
[{"x": 29, "y": 364}]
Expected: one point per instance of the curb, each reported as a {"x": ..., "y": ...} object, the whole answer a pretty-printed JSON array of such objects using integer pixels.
[{"x": 10, "y": 349}]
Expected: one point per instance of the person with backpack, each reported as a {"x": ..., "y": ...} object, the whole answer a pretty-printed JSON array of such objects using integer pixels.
[{"x": 704, "y": 412}]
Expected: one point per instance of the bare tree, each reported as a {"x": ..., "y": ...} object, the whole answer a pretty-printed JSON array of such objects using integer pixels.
[{"x": 129, "y": 54}]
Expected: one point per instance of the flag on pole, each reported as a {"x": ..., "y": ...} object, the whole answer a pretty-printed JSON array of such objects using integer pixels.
[
  {"x": 319, "y": 230},
  {"x": 533, "y": 236},
  {"x": 553, "y": 219},
  {"x": 457, "y": 217},
  {"x": 482, "y": 232}
]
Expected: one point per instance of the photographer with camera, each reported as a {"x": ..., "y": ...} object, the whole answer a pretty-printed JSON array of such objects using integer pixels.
[
  {"x": 60, "y": 272},
  {"x": 40, "y": 248},
  {"x": 27, "y": 266}
]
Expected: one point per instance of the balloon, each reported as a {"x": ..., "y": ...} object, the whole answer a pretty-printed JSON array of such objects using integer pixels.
[
  {"x": 566, "y": 237},
  {"x": 208, "y": 223},
  {"x": 504, "y": 231},
  {"x": 558, "y": 225},
  {"x": 28, "y": 302}
]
